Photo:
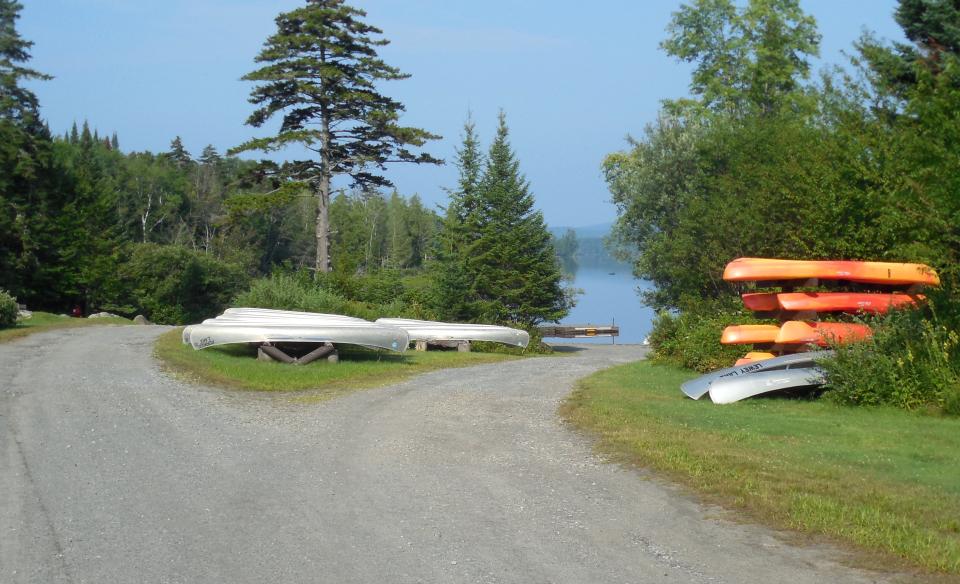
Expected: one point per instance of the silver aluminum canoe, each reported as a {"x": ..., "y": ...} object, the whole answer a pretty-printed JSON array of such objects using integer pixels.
[
  {"x": 697, "y": 388},
  {"x": 427, "y": 330},
  {"x": 733, "y": 389},
  {"x": 366, "y": 334}
]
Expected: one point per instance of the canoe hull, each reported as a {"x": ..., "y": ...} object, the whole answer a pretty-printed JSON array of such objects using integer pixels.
[
  {"x": 763, "y": 269},
  {"x": 795, "y": 332},
  {"x": 697, "y": 388},
  {"x": 429, "y": 331},
  {"x": 734, "y": 389}
]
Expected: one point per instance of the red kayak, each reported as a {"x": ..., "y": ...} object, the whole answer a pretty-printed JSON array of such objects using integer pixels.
[{"x": 828, "y": 302}]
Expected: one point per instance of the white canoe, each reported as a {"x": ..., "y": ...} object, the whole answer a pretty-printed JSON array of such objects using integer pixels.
[
  {"x": 697, "y": 388},
  {"x": 427, "y": 330},
  {"x": 366, "y": 334},
  {"x": 733, "y": 389},
  {"x": 273, "y": 313}
]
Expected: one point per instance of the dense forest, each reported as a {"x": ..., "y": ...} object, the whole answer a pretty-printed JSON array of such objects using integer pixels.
[
  {"x": 765, "y": 160},
  {"x": 86, "y": 226}
]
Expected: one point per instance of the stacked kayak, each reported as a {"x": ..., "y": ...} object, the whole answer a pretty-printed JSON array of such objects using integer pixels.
[
  {"x": 784, "y": 355},
  {"x": 263, "y": 326}
]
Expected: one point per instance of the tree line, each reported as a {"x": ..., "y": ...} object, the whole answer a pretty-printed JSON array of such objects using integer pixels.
[{"x": 84, "y": 224}]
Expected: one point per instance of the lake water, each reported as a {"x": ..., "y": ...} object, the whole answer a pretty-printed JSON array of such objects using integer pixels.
[{"x": 611, "y": 298}]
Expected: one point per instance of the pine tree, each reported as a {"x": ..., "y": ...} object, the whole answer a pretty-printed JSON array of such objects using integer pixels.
[
  {"x": 513, "y": 265},
  {"x": 115, "y": 142},
  {"x": 210, "y": 156},
  {"x": 178, "y": 154},
  {"x": 451, "y": 282},
  {"x": 74, "y": 134},
  {"x": 321, "y": 70},
  {"x": 17, "y": 103},
  {"x": 399, "y": 247}
]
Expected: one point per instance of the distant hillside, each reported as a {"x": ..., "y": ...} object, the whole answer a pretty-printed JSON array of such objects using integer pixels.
[
  {"x": 598, "y": 231},
  {"x": 591, "y": 252}
]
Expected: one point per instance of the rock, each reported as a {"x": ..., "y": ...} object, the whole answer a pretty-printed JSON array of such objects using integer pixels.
[
  {"x": 140, "y": 319},
  {"x": 24, "y": 314},
  {"x": 102, "y": 315}
]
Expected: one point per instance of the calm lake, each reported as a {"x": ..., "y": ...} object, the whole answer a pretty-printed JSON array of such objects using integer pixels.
[{"x": 610, "y": 296}]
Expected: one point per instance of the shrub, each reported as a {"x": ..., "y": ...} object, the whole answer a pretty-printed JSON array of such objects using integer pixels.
[
  {"x": 912, "y": 361},
  {"x": 691, "y": 338},
  {"x": 9, "y": 310},
  {"x": 177, "y": 285}
]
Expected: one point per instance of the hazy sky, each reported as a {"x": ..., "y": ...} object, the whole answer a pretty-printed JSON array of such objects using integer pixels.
[{"x": 573, "y": 77}]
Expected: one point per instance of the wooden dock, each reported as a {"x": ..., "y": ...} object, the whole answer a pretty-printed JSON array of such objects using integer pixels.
[{"x": 579, "y": 331}]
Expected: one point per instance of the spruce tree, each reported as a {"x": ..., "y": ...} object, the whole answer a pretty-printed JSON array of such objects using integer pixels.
[
  {"x": 513, "y": 265},
  {"x": 451, "y": 282},
  {"x": 321, "y": 72},
  {"x": 74, "y": 134},
  {"x": 178, "y": 154},
  {"x": 115, "y": 142}
]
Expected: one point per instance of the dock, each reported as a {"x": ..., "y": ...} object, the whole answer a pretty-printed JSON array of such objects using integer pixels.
[{"x": 580, "y": 331}]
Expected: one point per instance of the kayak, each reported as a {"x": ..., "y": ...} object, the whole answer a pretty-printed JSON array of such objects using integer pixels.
[
  {"x": 747, "y": 334},
  {"x": 697, "y": 388},
  {"x": 763, "y": 269},
  {"x": 733, "y": 389},
  {"x": 827, "y": 301},
  {"x": 821, "y": 333},
  {"x": 753, "y": 357}
]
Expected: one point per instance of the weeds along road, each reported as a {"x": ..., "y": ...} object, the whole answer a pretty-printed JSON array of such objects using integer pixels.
[{"x": 112, "y": 472}]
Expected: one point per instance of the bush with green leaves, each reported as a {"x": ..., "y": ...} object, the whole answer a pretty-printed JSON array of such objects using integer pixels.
[
  {"x": 691, "y": 337},
  {"x": 9, "y": 310},
  {"x": 177, "y": 285},
  {"x": 911, "y": 362}
]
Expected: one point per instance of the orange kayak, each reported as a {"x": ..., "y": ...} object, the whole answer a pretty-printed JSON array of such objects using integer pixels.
[
  {"x": 762, "y": 269},
  {"x": 747, "y": 334},
  {"x": 753, "y": 357},
  {"x": 827, "y": 301},
  {"x": 821, "y": 333}
]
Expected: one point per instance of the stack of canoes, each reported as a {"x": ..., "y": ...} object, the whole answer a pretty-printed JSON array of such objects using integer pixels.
[{"x": 786, "y": 353}]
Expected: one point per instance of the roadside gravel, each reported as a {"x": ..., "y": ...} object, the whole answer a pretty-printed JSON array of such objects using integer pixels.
[{"x": 111, "y": 471}]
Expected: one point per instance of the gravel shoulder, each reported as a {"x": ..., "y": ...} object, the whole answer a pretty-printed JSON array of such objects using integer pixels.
[{"x": 110, "y": 471}]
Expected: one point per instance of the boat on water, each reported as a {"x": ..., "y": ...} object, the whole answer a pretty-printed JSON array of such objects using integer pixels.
[{"x": 431, "y": 331}]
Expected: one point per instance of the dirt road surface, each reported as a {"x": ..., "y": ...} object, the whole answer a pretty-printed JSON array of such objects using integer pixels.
[{"x": 111, "y": 471}]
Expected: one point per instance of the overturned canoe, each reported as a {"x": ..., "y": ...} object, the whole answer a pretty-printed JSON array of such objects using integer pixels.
[
  {"x": 697, "y": 388},
  {"x": 821, "y": 333},
  {"x": 732, "y": 389},
  {"x": 763, "y": 269},
  {"x": 748, "y": 334},
  {"x": 430, "y": 331},
  {"x": 362, "y": 333}
]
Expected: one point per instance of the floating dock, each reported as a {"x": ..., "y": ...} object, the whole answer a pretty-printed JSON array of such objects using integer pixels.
[{"x": 580, "y": 331}]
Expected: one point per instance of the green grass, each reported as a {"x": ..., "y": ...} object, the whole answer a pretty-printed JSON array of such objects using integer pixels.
[
  {"x": 235, "y": 366},
  {"x": 45, "y": 321},
  {"x": 885, "y": 481}
]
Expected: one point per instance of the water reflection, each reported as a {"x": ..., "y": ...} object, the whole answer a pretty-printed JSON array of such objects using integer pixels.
[{"x": 609, "y": 297}]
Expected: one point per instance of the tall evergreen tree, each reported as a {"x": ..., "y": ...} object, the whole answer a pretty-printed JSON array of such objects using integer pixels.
[
  {"x": 74, "y": 134},
  {"x": 178, "y": 154},
  {"x": 114, "y": 142},
  {"x": 321, "y": 71}
]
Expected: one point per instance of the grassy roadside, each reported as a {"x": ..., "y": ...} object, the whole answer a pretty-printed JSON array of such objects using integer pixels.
[
  {"x": 45, "y": 321},
  {"x": 886, "y": 482},
  {"x": 235, "y": 367}
]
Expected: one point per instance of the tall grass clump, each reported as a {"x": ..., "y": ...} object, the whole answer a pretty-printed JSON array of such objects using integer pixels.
[
  {"x": 9, "y": 310},
  {"x": 912, "y": 361},
  {"x": 691, "y": 337}
]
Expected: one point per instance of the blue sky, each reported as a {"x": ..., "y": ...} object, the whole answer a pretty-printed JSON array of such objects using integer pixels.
[{"x": 574, "y": 78}]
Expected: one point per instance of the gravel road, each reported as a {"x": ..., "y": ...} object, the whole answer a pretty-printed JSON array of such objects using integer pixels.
[{"x": 110, "y": 471}]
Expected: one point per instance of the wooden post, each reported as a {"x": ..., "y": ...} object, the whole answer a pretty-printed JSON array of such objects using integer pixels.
[
  {"x": 463, "y": 347},
  {"x": 269, "y": 352},
  {"x": 421, "y": 346},
  {"x": 321, "y": 351}
]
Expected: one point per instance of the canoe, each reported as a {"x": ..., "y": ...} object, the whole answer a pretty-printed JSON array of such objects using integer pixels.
[
  {"x": 875, "y": 303},
  {"x": 366, "y": 334},
  {"x": 697, "y": 388},
  {"x": 821, "y": 333},
  {"x": 734, "y": 389},
  {"x": 762, "y": 269},
  {"x": 753, "y": 357},
  {"x": 429, "y": 331},
  {"x": 747, "y": 334}
]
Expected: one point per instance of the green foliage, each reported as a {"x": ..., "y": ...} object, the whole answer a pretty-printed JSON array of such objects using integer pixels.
[
  {"x": 912, "y": 361},
  {"x": 9, "y": 310},
  {"x": 691, "y": 338},
  {"x": 176, "y": 285},
  {"x": 497, "y": 261},
  {"x": 322, "y": 71}
]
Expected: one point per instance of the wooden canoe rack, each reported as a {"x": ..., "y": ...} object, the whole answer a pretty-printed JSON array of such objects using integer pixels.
[{"x": 269, "y": 352}]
